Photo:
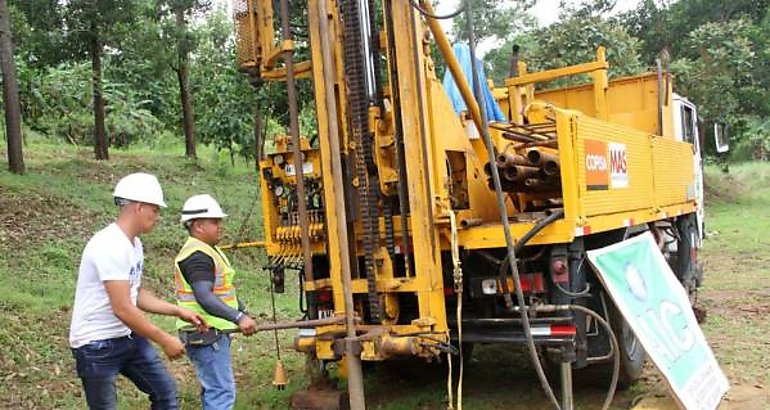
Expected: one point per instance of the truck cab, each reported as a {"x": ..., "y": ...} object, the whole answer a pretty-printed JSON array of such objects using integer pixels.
[{"x": 686, "y": 129}]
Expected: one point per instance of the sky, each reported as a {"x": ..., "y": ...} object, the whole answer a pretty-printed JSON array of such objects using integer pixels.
[{"x": 546, "y": 12}]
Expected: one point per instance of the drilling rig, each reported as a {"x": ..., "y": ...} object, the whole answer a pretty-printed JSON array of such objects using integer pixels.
[{"x": 433, "y": 228}]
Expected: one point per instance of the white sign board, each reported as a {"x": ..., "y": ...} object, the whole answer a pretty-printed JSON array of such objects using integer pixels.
[{"x": 657, "y": 308}]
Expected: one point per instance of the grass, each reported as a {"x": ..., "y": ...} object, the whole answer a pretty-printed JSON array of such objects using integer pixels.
[
  {"x": 737, "y": 288},
  {"x": 47, "y": 216}
]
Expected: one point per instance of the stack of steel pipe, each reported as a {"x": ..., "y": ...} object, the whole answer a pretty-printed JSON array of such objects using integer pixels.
[{"x": 537, "y": 171}]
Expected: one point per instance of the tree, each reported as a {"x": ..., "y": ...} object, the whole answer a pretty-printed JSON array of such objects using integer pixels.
[
  {"x": 665, "y": 24},
  {"x": 185, "y": 43},
  {"x": 182, "y": 76},
  {"x": 568, "y": 42},
  {"x": 499, "y": 19},
  {"x": 43, "y": 44},
  {"x": 720, "y": 78},
  {"x": 93, "y": 25},
  {"x": 10, "y": 92},
  {"x": 227, "y": 123}
]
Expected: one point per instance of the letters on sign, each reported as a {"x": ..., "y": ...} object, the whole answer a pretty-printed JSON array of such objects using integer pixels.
[{"x": 606, "y": 165}]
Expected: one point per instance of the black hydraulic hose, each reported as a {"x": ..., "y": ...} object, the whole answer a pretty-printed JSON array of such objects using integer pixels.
[
  {"x": 614, "y": 347},
  {"x": 427, "y": 14},
  {"x": 539, "y": 226},
  {"x": 504, "y": 217}
]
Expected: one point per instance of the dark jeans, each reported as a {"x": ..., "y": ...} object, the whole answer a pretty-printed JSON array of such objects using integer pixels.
[{"x": 100, "y": 362}]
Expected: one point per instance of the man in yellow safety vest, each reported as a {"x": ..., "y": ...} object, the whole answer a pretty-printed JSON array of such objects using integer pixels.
[{"x": 204, "y": 284}]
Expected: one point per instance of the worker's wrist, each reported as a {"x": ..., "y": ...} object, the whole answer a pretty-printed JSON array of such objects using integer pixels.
[{"x": 239, "y": 316}]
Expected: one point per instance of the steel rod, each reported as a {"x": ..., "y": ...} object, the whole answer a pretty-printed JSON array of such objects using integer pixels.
[
  {"x": 299, "y": 173},
  {"x": 353, "y": 361}
]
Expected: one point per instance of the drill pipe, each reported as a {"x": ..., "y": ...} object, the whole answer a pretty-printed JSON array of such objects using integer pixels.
[
  {"x": 506, "y": 160},
  {"x": 517, "y": 173},
  {"x": 535, "y": 184},
  {"x": 548, "y": 162}
]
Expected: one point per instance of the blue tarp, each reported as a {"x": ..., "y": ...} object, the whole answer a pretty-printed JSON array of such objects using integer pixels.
[{"x": 463, "y": 55}]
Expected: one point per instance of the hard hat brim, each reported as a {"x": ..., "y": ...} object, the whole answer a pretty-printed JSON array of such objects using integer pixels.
[
  {"x": 159, "y": 203},
  {"x": 188, "y": 218}
]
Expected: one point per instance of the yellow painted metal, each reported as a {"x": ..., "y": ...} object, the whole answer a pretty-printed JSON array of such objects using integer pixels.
[
  {"x": 246, "y": 34},
  {"x": 239, "y": 245},
  {"x": 599, "y": 76},
  {"x": 658, "y": 174},
  {"x": 669, "y": 158},
  {"x": 304, "y": 344},
  {"x": 420, "y": 164},
  {"x": 640, "y": 190},
  {"x": 257, "y": 49},
  {"x": 632, "y": 101},
  {"x": 445, "y": 167},
  {"x": 544, "y": 76},
  {"x": 331, "y": 192},
  {"x": 282, "y": 239}
]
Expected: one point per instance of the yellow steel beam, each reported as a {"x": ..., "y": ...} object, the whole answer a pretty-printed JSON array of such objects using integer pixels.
[
  {"x": 409, "y": 54},
  {"x": 548, "y": 75},
  {"x": 257, "y": 244},
  {"x": 302, "y": 69}
]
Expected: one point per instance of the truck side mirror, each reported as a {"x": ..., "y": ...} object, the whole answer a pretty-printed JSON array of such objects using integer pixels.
[{"x": 722, "y": 137}]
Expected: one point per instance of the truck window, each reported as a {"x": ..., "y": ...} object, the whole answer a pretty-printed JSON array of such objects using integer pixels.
[{"x": 688, "y": 123}]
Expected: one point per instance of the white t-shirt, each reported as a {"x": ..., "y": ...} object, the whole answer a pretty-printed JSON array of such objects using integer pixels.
[{"x": 109, "y": 255}]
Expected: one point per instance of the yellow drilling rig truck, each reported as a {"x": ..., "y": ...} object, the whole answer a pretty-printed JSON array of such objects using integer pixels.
[{"x": 431, "y": 230}]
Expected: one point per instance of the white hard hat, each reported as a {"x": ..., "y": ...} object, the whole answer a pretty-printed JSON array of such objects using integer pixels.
[
  {"x": 140, "y": 187},
  {"x": 201, "y": 206}
]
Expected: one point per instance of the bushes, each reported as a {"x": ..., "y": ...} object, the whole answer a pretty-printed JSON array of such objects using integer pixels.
[{"x": 57, "y": 101}]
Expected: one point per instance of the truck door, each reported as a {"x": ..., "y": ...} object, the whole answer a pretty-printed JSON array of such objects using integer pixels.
[{"x": 686, "y": 126}]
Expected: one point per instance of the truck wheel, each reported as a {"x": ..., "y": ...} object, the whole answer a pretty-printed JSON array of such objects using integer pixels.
[
  {"x": 685, "y": 265},
  {"x": 632, "y": 355}
]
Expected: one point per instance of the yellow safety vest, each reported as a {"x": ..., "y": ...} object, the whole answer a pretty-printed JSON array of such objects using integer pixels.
[{"x": 223, "y": 284}]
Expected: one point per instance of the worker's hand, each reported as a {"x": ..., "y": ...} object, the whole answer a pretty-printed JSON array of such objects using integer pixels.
[
  {"x": 172, "y": 347},
  {"x": 194, "y": 318},
  {"x": 247, "y": 325}
]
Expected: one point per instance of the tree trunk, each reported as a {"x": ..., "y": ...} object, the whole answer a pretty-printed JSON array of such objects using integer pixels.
[
  {"x": 188, "y": 123},
  {"x": 11, "y": 93},
  {"x": 100, "y": 137}
]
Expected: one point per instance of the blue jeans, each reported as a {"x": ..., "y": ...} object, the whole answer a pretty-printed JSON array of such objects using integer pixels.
[
  {"x": 100, "y": 362},
  {"x": 215, "y": 373}
]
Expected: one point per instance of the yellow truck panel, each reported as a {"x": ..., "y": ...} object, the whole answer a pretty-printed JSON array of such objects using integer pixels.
[{"x": 614, "y": 168}]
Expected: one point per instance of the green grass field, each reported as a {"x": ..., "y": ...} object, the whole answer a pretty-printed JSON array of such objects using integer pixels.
[{"x": 47, "y": 216}]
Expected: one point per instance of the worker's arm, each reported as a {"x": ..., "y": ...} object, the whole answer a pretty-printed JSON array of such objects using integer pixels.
[
  {"x": 119, "y": 292},
  {"x": 198, "y": 271},
  {"x": 148, "y": 302}
]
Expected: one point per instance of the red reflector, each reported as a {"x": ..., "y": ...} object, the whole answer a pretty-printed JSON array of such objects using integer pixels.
[
  {"x": 532, "y": 282},
  {"x": 324, "y": 296},
  {"x": 562, "y": 330},
  {"x": 449, "y": 291}
]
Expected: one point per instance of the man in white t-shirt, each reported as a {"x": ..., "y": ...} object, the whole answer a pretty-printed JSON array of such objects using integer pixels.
[{"x": 109, "y": 333}]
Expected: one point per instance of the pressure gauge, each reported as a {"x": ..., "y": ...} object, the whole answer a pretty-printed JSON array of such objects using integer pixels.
[
  {"x": 279, "y": 190},
  {"x": 278, "y": 160}
]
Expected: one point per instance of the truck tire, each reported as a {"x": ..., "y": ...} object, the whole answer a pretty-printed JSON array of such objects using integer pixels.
[
  {"x": 632, "y": 354},
  {"x": 685, "y": 265}
]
